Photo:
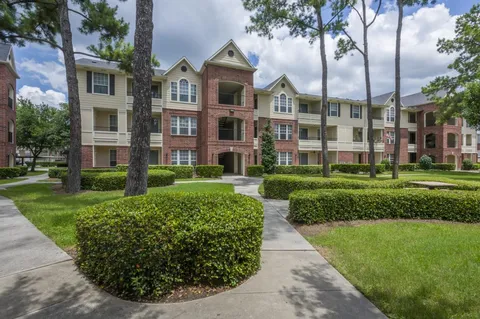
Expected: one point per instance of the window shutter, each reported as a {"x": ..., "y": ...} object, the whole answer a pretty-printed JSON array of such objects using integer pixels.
[
  {"x": 89, "y": 81},
  {"x": 351, "y": 111},
  {"x": 328, "y": 106},
  {"x": 339, "y": 107},
  {"x": 361, "y": 116},
  {"x": 112, "y": 84}
]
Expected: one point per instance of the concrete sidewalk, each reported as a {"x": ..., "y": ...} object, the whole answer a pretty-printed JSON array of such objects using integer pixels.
[
  {"x": 294, "y": 282},
  {"x": 29, "y": 180}
]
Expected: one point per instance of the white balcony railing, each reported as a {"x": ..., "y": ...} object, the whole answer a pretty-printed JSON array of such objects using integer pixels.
[
  {"x": 155, "y": 139},
  {"x": 309, "y": 118},
  {"x": 156, "y": 102},
  {"x": 469, "y": 149},
  {"x": 312, "y": 144},
  {"x": 412, "y": 148},
  {"x": 105, "y": 136}
]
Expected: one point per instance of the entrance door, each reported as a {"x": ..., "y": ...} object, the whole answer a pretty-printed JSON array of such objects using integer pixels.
[
  {"x": 153, "y": 159},
  {"x": 303, "y": 158}
]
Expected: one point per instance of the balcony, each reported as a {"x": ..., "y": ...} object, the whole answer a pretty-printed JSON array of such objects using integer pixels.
[
  {"x": 469, "y": 149},
  {"x": 312, "y": 117},
  {"x": 378, "y": 121},
  {"x": 412, "y": 148},
  {"x": 310, "y": 144},
  {"x": 156, "y": 94},
  {"x": 155, "y": 139},
  {"x": 231, "y": 93},
  {"x": 230, "y": 129}
]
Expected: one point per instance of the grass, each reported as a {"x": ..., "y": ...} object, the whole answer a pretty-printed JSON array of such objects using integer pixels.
[
  {"x": 54, "y": 214},
  {"x": 36, "y": 173},
  {"x": 410, "y": 269},
  {"x": 12, "y": 180}
]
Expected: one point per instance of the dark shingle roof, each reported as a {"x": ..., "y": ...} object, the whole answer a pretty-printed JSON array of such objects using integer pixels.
[
  {"x": 271, "y": 85},
  {"x": 4, "y": 51},
  {"x": 417, "y": 99},
  {"x": 381, "y": 99},
  {"x": 107, "y": 65}
]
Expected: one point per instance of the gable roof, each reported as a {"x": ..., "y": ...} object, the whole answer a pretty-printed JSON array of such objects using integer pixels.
[
  {"x": 418, "y": 99},
  {"x": 270, "y": 86},
  {"x": 231, "y": 42},
  {"x": 5, "y": 51},
  {"x": 107, "y": 65},
  {"x": 178, "y": 62},
  {"x": 382, "y": 98}
]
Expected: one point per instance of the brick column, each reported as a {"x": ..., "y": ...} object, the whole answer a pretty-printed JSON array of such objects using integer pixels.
[
  {"x": 87, "y": 156},
  {"x": 122, "y": 154}
]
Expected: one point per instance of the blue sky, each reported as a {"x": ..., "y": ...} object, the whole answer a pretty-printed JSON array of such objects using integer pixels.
[{"x": 40, "y": 66}]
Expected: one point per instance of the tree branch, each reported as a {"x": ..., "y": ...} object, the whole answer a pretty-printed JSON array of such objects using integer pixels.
[
  {"x": 304, "y": 24},
  {"x": 33, "y": 39},
  {"x": 13, "y": 3},
  {"x": 358, "y": 13},
  {"x": 336, "y": 15},
  {"x": 80, "y": 14},
  {"x": 353, "y": 42},
  {"x": 376, "y": 13}
]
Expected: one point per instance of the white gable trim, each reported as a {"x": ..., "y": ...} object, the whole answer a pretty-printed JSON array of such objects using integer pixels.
[
  {"x": 183, "y": 59},
  {"x": 236, "y": 47},
  {"x": 287, "y": 79}
]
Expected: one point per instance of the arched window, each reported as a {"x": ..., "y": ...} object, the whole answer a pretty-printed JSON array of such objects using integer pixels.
[
  {"x": 11, "y": 129},
  {"x": 11, "y": 98},
  {"x": 391, "y": 114},
  {"x": 283, "y": 103},
  {"x": 183, "y": 90}
]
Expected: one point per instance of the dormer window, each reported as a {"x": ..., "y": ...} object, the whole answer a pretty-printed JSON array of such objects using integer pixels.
[
  {"x": 183, "y": 91},
  {"x": 283, "y": 103}
]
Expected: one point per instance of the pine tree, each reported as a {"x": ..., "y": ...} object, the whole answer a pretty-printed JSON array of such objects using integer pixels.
[{"x": 269, "y": 154}]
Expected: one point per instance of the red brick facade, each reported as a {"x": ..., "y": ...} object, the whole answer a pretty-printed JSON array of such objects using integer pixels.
[
  {"x": 87, "y": 156},
  {"x": 281, "y": 145},
  {"x": 7, "y": 149},
  {"x": 122, "y": 154},
  {"x": 389, "y": 148}
]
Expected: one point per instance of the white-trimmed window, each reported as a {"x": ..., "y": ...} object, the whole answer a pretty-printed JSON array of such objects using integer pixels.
[
  {"x": 390, "y": 137},
  {"x": 356, "y": 112},
  {"x": 113, "y": 158},
  {"x": 284, "y": 158},
  {"x": 390, "y": 158},
  {"x": 184, "y": 157},
  {"x": 100, "y": 83},
  {"x": 283, "y": 104},
  {"x": 333, "y": 109},
  {"x": 283, "y": 131},
  {"x": 391, "y": 114},
  {"x": 183, "y": 91},
  {"x": 183, "y": 125}
]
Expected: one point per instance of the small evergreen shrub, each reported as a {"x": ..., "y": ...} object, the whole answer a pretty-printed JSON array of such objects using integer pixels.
[
  {"x": 181, "y": 171},
  {"x": 444, "y": 166},
  {"x": 255, "y": 170},
  {"x": 143, "y": 247},
  {"x": 407, "y": 167},
  {"x": 269, "y": 153},
  {"x": 356, "y": 168},
  {"x": 467, "y": 164},
  {"x": 298, "y": 169},
  {"x": 386, "y": 162},
  {"x": 9, "y": 172},
  {"x": 209, "y": 170},
  {"x": 322, "y": 206},
  {"x": 23, "y": 170},
  {"x": 425, "y": 162}
]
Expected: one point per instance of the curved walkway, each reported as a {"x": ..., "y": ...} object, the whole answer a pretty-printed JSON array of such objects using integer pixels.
[{"x": 294, "y": 282}]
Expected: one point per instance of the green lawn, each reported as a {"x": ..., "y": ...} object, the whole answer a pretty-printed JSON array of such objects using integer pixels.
[
  {"x": 54, "y": 214},
  {"x": 410, "y": 269},
  {"x": 36, "y": 173},
  {"x": 12, "y": 180}
]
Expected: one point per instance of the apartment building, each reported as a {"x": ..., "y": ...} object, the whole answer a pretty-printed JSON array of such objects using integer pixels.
[
  {"x": 215, "y": 115},
  {"x": 8, "y": 85}
]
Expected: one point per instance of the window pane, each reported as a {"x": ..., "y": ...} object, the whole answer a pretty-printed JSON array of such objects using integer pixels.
[
  {"x": 113, "y": 157},
  {"x": 193, "y": 93},
  {"x": 100, "y": 83},
  {"x": 175, "y": 157},
  {"x": 174, "y": 125},
  {"x": 193, "y": 126},
  {"x": 283, "y": 103},
  {"x": 113, "y": 119},
  {"x": 184, "y": 157},
  {"x": 303, "y": 108},
  {"x": 173, "y": 89},
  {"x": 193, "y": 158},
  {"x": 276, "y": 103},
  {"x": 289, "y": 158},
  {"x": 289, "y": 132},
  {"x": 184, "y": 90},
  {"x": 184, "y": 125},
  {"x": 283, "y": 132},
  {"x": 290, "y": 103},
  {"x": 277, "y": 131}
]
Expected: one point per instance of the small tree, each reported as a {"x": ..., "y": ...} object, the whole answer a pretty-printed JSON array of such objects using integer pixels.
[
  {"x": 41, "y": 127},
  {"x": 425, "y": 162},
  {"x": 269, "y": 154}
]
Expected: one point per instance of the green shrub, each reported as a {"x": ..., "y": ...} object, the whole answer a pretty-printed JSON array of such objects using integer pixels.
[
  {"x": 407, "y": 167},
  {"x": 476, "y": 167},
  {"x": 386, "y": 162},
  {"x": 98, "y": 170},
  {"x": 181, "y": 171},
  {"x": 62, "y": 164},
  {"x": 209, "y": 170},
  {"x": 52, "y": 164},
  {"x": 425, "y": 162},
  {"x": 444, "y": 166},
  {"x": 467, "y": 164},
  {"x": 298, "y": 169},
  {"x": 281, "y": 186},
  {"x": 9, "y": 172},
  {"x": 321, "y": 206},
  {"x": 23, "y": 170},
  {"x": 143, "y": 247},
  {"x": 255, "y": 170},
  {"x": 56, "y": 172},
  {"x": 356, "y": 168}
]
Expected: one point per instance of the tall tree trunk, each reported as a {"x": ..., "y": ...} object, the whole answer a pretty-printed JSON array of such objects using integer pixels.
[
  {"x": 75, "y": 158},
  {"x": 396, "y": 153},
  {"x": 34, "y": 163},
  {"x": 142, "y": 101},
  {"x": 323, "y": 112},
  {"x": 366, "y": 62}
]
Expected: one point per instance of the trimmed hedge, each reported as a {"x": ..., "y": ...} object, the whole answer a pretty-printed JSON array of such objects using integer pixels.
[
  {"x": 209, "y": 170},
  {"x": 311, "y": 207},
  {"x": 143, "y": 247},
  {"x": 444, "y": 166},
  {"x": 357, "y": 168},
  {"x": 9, "y": 172},
  {"x": 298, "y": 169},
  {"x": 181, "y": 171},
  {"x": 280, "y": 187},
  {"x": 56, "y": 172},
  {"x": 117, "y": 180},
  {"x": 23, "y": 170},
  {"x": 407, "y": 167},
  {"x": 255, "y": 170}
]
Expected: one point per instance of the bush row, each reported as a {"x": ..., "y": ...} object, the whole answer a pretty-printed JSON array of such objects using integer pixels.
[
  {"x": 343, "y": 205},
  {"x": 117, "y": 180},
  {"x": 298, "y": 169},
  {"x": 255, "y": 170},
  {"x": 181, "y": 171},
  {"x": 59, "y": 171},
  {"x": 209, "y": 170},
  {"x": 9, "y": 172},
  {"x": 280, "y": 187},
  {"x": 23, "y": 170},
  {"x": 356, "y": 168},
  {"x": 172, "y": 239},
  {"x": 444, "y": 166}
]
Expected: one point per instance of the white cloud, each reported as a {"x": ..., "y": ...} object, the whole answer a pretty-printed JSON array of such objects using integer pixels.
[
  {"x": 37, "y": 96},
  {"x": 47, "y": 72}
]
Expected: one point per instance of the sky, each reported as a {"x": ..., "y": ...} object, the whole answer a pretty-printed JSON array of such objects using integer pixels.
[{"x": 197, "y": 29}]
